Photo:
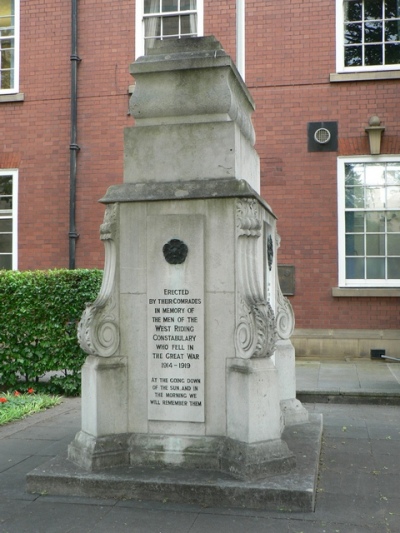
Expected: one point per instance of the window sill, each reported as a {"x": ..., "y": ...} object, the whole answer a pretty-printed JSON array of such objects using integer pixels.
[
  {"x": 365, "y": 76},
  {"x": 19, "y": 97},
  {"x": 339, "y": 292}
]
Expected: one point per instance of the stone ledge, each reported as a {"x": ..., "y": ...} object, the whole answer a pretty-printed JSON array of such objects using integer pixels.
[
  {"x": 373, "y": 292},
  {"x": 18, "y": 97},
  {"x": 364, "y": 76},
  {"x": 294, "y": 491},
  {"x": 182, "y": 190}
]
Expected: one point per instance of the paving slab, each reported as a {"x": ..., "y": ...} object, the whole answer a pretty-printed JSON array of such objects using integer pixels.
[
  {"x": 365, "y": 381},
  {"x": 368, "y": 461}
]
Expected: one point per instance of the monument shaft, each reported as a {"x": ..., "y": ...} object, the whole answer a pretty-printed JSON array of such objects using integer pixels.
[{"x": 190, "y": 362}]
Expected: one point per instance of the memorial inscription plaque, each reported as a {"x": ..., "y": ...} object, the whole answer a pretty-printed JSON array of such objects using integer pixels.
[{"x": 175, "y": 321}]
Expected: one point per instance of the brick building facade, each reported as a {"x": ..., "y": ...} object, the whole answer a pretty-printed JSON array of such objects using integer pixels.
[{"x": 308, "y": 65}]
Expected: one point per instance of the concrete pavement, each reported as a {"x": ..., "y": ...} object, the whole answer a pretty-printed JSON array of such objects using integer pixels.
[
  {"x": 370, "y": 381},
  {"x": 358, "y": 485}
]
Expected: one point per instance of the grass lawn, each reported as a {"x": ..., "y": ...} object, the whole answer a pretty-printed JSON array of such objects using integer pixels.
[{"x": 16, "y": 405}]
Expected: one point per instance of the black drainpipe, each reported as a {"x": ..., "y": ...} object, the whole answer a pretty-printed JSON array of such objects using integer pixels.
[{"x": 73, "y": 147}]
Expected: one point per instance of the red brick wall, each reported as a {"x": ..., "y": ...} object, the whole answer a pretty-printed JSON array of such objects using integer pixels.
[
  {"x": 38, "y": 129},
  {"x": 106, "y": 47},
  {"x": 37, "y": 133}
]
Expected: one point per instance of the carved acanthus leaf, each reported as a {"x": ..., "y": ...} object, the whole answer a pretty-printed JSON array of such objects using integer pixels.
[
  {"x": 248, "y": 218},
  {"x": 256, "y": 331}
]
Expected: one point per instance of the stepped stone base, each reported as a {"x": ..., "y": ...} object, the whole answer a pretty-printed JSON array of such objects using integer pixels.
[{"x": 294, "y": 491}]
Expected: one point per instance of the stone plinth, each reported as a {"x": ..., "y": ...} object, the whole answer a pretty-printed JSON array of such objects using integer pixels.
[{"x": 192, "y": 109}]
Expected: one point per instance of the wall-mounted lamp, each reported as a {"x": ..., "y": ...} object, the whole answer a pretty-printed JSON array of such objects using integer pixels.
[{"x": 375, "y": 131}]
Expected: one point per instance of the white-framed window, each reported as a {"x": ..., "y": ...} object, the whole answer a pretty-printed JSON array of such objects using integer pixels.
[
  {"x": 369, "y": 221},
  {"x": 8, "y": 219},
  {"x": 368, "y": 35},
  {"x": 9, "y": 46},
  {"x": 166, "y": 19}
]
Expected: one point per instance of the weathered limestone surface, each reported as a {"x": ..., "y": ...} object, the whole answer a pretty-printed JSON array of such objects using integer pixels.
[{"x": 189, "y": 362}]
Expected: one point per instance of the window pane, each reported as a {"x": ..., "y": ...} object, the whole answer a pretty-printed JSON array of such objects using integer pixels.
[
  {"x": 392, "y": 31},
  {"x": 355, "y": 245},
  {"x": 354, "y": 197},
  {"x": 6, "y": 185},
  {"x": 6, "y": 13},
  {"x": 7, "y": 80},
  {"x": 392, "y": 9},
  {"x": 7, "y": 44},
  {"x": 5, "y": 243},
  {"x": 393, "y": 221},
  {"x": 352, "y": 11},
  {"x": 393, "y": 174},
  {"x": 5, "y": 262},
  {"x": 375, "y": 268},
  {"x": 185, "y": 24},
  {"x": 353, "y": 56},
  {"x": 355, "y": 268},
  {"x": 169, "y": 5},
  {"x": 170, "y": 26},
  {"x": 5, "y": 203},
  {"x": 353, "y": 33},
  {"x": 375, "y": 244},
  {"x": 375, "y": 222},
  {"x": 354, "y": 222},
  {"x": 373, "y": 54},
  {"x": 152, "y": 27},
  {"x": 6, "y": 59},
  {"x": 5, "y": 225},
  {"x": 151, "y": 6},
  {"x": 393, "y": 244},
  {"x": 193, "y": 24},
  {"x": 372, "y": 9},
  {"x": 374, "y": 197},
  {"x": 393, "y": 266},
  {"x": 354, "y": 174},
  {"x": 375, "y": 174},
  {"x": 373, "y": 32},
  {"x": 392, "y": 54},
  {"x": 6, "y": 33},
  {"x": 188, "y": 4},
  {"x": 393, "y": 197}
]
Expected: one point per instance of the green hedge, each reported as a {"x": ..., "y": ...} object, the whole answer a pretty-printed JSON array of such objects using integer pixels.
[{"x": 40, "y": 311}]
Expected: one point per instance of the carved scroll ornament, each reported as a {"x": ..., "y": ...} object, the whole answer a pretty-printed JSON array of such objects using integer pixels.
[
  {"x": 256, "y": 329},
  {"x": 284, "y": 311},
  {"x": 284, "y": 316},
  {"x": 98, "y": 331}
]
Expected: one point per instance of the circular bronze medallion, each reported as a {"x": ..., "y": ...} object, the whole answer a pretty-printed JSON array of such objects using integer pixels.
[{"x": 175, "y": 251}]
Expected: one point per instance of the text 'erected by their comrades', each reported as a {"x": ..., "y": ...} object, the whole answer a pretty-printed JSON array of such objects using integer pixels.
[{"x": 176, "y": 356}]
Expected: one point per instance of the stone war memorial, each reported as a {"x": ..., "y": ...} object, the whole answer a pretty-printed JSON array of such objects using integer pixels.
[{"x": 188, "y": 390}]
